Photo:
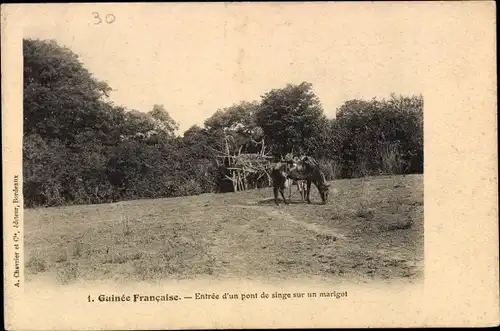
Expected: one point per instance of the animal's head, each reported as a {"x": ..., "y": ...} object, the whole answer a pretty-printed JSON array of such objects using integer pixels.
[{"x": 324, "y": 191}]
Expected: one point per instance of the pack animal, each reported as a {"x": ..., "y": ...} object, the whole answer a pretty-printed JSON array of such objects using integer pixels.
[{"x": 305, "y": 168}]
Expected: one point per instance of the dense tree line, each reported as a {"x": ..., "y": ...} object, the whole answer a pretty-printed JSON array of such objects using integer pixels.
[{"x": 81, "y": 148}]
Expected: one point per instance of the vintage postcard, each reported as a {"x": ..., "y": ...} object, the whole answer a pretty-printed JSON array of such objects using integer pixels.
[{"x": 249, "y": 165}]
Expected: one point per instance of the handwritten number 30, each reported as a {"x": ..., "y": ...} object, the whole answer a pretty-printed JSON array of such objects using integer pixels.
[{"x": 109, "y": 18}]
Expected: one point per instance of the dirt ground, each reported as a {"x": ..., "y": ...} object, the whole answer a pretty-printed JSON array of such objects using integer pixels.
[{"x": 371, "y": 229}]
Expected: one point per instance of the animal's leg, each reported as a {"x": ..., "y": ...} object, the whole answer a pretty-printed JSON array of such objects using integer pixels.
[
  {"x": 275, "y": 191},
  {"x": 308, "y": 191},
  {"x": 290, "y": 185},
  {"x": 319, "y": 186},
  {"x": 282, "y": 191},
  {"x": 301, "y": 188}
]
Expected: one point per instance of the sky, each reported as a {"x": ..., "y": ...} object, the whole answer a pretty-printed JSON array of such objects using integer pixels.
[{"x": 197, "y": 58}]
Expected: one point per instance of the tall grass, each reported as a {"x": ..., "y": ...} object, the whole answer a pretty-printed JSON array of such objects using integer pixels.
[
  {"x": 391, "y": 159},
  {"x": 331, "y": 168}
]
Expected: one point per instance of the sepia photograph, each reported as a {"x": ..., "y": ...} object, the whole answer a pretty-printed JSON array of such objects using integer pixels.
[
  {"x": 229, "y": 142},
  {"x": 278, "y": 173}
]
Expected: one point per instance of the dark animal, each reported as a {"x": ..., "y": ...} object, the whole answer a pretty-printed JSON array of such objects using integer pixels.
[{"x": 304, "y": 168}]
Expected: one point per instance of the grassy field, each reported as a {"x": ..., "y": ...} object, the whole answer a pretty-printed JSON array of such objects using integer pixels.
[{"x": 371, "y": 229}]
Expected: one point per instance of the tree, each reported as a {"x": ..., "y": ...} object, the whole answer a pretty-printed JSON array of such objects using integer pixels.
[
  {"x": 238, "y": 117},
  {"x": 292, "y": 120},
  {"x": 369, "y": 135},
  {"x": 163, "y": 121},
  {"x": 198, "y": 143},
  {"x": 237, "y": 124},
  {"x": 61, "y": 97}
]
